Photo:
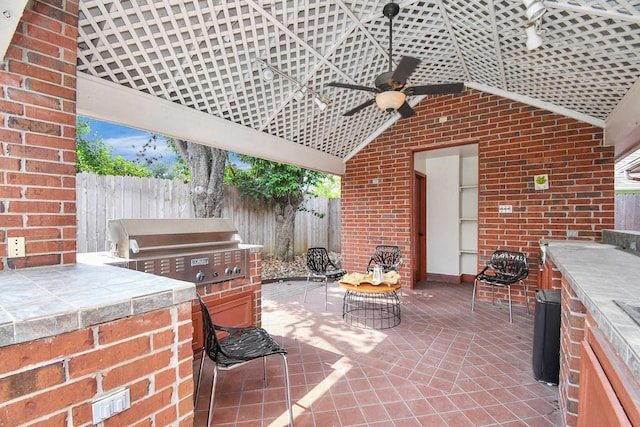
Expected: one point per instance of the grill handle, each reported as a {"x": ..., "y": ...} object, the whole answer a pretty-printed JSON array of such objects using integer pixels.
[{"x": 184, "y": 246}]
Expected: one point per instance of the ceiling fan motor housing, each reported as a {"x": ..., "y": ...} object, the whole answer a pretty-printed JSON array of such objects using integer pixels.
[
  {"x": 391, "y": 10},
  {"x": 383, "y": 81}
]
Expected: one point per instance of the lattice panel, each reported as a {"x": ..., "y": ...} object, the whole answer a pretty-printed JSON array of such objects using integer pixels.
[
  {"x": 202, "y": 54},
  {"x": 587, "y": 65}
]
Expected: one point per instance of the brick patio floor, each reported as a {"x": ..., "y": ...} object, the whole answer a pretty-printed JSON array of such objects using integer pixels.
[{"x": 442, "y": 366}]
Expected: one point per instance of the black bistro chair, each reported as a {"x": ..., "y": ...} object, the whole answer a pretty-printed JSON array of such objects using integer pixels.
[
  {"x": 504, "y": 269},
  {"x": 320, "y": 266},
  {"x": 235, "y": 347},
  {"x": 387, "y": 256}
]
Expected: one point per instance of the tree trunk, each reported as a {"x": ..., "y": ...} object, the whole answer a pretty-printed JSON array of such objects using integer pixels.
[
  {"x": 206, "y": 166},
  {"x": 285, "y": 221}
]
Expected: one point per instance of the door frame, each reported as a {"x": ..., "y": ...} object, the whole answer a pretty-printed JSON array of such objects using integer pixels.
[{"x": 419, "y": 215}]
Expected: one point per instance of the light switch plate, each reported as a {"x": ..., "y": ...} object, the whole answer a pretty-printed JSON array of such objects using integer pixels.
[{"x": 110, "y": 405}]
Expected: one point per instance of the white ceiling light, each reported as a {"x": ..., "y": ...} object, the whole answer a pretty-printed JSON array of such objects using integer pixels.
[
  {"x": 390, "y": 100},
  {"x": 535, "y": 9},
  {"x": 322, "y": 103},
  {"x": 267, "y": 74},
  {"x": 534, "y": 40},
  {"x": 300, "y": 93}
]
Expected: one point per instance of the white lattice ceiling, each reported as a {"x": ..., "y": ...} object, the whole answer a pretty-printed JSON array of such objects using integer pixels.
[{"x": 203, "y": 55}]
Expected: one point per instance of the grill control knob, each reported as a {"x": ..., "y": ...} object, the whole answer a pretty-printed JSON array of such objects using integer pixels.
[
  {"x": 228, "y": 271},
  {"x": 215, "y": 274},
  {"x": 237, "y": 270},
  {"x": 200, "y": 276}
]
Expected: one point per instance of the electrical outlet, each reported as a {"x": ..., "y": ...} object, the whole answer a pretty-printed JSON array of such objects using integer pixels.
[
  {"x": 572, "y": 233},
  {"x": 16, "y": 247},
  {"x": 505, "y": 209},
  {"x": 110, "y": 405}
]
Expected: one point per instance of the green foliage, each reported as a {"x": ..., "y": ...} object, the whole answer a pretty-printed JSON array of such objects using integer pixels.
[
  {"x": 93, "y": 156},
  {"x": 180, "y": 170},
  {"x": 328, "y": 187},
  {"x": 273, "y": 182}
]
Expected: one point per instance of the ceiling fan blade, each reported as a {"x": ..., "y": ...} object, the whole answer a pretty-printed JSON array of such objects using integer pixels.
[
  {"x": 359, "y": 107},
  {"x": 348, "y": 86},
  {"x": 405, "y": 68},
  {"x": 405, "y": 110},
  {"x": 441, "y": 89}
]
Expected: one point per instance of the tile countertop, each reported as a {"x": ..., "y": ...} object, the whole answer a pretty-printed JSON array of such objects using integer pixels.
[
  {"x": 48, "y": 301},
  {"x": 600, "y": 273}
]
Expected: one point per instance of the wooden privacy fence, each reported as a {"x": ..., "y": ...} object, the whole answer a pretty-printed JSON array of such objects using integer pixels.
[
  {"x": 627, "y": 212},
  {"x": 101, "y": 198}
]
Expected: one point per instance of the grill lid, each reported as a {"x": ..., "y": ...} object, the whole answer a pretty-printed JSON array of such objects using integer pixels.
[{"x": 153, "y": 237}]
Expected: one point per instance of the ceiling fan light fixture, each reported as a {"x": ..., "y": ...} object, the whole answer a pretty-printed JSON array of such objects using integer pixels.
[
  {"x": 535, "y": 9},
  {"x": 390, "y": 100},
  {"x": 534, "y": 40}
]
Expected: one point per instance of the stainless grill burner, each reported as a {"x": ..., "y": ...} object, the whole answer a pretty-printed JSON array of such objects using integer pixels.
[{"x": 203, "y": 251}]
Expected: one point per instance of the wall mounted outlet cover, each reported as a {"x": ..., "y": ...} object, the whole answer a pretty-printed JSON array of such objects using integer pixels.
[{"x": 541, "y": 182}]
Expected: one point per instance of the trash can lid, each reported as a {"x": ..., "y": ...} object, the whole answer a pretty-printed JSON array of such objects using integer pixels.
[{"x": 548, "y": 296}]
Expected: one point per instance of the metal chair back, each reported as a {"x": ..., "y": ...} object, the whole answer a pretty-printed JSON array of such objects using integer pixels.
[
  {"x": 388, "y": 256},
  {"x": 318, "y": 261},
  {"x": 506, "y": 267}
]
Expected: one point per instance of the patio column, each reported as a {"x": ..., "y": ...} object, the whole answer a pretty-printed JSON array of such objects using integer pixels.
[{"x": 37, "y": 136}]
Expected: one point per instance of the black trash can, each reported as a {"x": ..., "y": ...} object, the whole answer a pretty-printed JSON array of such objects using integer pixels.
[{"x": 546, "y": 336}]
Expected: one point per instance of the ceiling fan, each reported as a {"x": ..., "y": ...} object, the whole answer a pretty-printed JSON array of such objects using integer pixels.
[{"x": 390, "y": 89}]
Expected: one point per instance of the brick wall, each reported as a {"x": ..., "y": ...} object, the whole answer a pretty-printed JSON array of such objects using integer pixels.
[
  {"x": 52, "y": 381},
  {"x": 571, "y": 335},
  {"x": 37, "y": 136},
  {"x": 515, "y": 142}
]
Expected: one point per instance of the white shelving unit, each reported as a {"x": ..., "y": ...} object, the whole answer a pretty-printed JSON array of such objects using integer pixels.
[{"x": 468, "y": 215}]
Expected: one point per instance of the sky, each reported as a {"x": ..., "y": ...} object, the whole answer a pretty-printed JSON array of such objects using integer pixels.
[{"x": 127, "y": 142}]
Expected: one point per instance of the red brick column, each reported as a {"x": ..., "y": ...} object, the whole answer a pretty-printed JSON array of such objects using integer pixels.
[
  {"x": 571, "y": 335},
  {"x": 37, "y": 136},
  {"x": 52, "y": 381}
]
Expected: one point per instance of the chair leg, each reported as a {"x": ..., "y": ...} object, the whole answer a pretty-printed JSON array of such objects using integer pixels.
[
  {"x": 510, "y": 315},
  {"x": 526, "y": 296},
  {"x": 326, "y": 285},
  {"x": 473, "y": 297},
  {"x": 287, "y": 389},
  {"x": 264, "y": 372},
  {"x": 306, "y": 287},
  {"x": 493, "y": 301},
  {"x": 197, "y": 393},
  {"x": 214, "y": 380}
]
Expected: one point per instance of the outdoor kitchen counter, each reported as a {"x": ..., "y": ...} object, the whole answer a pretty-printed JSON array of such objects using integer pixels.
[
  {"x": 599, "y": 274},
  {"x": 48, "y": 301}
]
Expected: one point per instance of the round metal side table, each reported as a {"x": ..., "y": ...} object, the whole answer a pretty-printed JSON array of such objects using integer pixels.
[{"x": 371, "y": 307}]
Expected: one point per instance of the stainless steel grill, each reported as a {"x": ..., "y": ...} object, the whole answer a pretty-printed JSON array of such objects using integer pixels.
[{"x": 203, "y": 251}]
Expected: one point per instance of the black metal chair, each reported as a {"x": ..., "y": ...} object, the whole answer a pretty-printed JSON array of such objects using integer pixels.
[
  {"x": 236, "y": 347},
  {"x": 388, "y": 256},
  {"x": 504, "y": 269},
  {"x": 320, "y": 266}
]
